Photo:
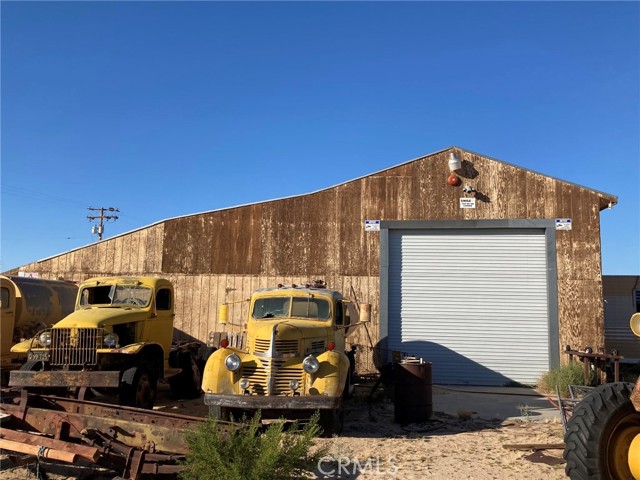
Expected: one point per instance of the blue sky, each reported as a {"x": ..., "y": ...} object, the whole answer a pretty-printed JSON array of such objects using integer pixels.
[{"x": 163, "y": 109}]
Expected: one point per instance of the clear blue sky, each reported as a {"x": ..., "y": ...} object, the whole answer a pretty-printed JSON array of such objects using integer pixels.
[{"x": 164, "y": 109}]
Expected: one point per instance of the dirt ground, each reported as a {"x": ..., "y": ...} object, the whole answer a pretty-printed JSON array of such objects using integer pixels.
[{"x": 372, "y": 446}]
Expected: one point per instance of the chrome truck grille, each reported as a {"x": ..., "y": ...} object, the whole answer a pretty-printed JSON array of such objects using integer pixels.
[
  {"x": 270, "y": 378},
  {"x": 282, "y": 347},
  {"x": 75, "y": 346}
]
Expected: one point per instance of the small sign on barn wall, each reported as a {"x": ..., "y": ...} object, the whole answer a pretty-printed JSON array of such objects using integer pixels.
[
  {"x": 28, "y": 274},
  {"x": 563, "y": 224},
  {"x": 468, "y": 202},
  {"x": 372, "y": 225}
]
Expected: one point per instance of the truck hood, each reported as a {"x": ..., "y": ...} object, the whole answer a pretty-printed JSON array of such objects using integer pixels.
[
  {"x": 100, "y": 317},
  {"x": 292, "y": 329}
]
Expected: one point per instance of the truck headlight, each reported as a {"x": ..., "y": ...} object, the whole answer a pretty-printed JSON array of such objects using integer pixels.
[
  {"x": 110, "y": 340},
  {"x": 244, "y": 383},
  {"x": 310, "y": 364},
  {"x": 44, "y": 340},
  {"x": 232, "y": 362}
]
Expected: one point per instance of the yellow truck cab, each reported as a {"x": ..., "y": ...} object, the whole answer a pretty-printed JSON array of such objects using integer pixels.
[
  {"x": 28, "y": 305},
  {"x": 295, "y": 360},
  {"x": 118, "y": 337}
]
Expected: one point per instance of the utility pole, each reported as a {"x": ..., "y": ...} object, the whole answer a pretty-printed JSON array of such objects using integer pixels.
[{"x": 98, "y": 229}]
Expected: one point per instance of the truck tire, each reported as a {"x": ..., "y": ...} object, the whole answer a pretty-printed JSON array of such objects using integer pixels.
[
  {"x": 186, "y": 384},
  {"x": 331, "y": 422},
  {"x": 138, "y": 387},
  {"x": 203, "y": 355},
  {"x": 599, "y": 434}
]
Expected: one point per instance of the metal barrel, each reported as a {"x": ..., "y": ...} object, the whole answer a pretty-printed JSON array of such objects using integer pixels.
[{"x": 412, "y": 392}]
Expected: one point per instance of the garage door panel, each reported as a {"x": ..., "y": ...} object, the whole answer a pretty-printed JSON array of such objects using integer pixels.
[{"x": 474, "y": 302}]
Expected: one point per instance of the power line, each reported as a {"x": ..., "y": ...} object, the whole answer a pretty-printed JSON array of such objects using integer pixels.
[
  {"x": 99, "y": 229},
  {"x": 38, "y": 195}
]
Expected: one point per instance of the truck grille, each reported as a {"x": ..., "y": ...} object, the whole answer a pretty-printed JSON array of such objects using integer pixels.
[
  {"x": 281, "y": 346},
  {"x": 75, "y": 346},
  {"x": 258, "y": 376},
  {"x": 317, "y": 346}
]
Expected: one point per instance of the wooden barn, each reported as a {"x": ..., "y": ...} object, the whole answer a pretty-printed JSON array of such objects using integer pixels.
[{"x": 485, "y": 269}]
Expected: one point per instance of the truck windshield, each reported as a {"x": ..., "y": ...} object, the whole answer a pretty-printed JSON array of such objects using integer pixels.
[
  {"x": 291, "y": 307},
  {"x": 131, "y": 295}
]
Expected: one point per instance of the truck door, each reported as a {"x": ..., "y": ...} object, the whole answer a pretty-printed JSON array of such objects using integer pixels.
[
  {"x": 159, "y": 329},
  {"x": 7, "y": 317}
]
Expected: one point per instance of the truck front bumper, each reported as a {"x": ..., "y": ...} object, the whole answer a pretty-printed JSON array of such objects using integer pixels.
[
  {"x": 52, "y": 378},
  {"x": 255, "y": 402}
]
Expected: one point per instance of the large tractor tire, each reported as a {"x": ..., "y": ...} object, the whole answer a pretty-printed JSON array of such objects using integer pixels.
[
  {"x": 138, "y": 387},
  {"x": 599, "y": 434}
]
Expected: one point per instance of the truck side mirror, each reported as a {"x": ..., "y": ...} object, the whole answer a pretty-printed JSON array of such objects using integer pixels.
[{"x": 223, "y": 314}]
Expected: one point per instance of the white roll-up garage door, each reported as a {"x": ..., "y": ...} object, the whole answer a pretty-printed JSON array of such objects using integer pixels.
[{"x": 471, "y": 301}]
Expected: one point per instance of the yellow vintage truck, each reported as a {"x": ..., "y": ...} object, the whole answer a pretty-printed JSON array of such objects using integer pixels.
[
  {"x": 119, "y": 338},
  {"x": 295, "y": 361},
  {"x": 28, "y": 305}
]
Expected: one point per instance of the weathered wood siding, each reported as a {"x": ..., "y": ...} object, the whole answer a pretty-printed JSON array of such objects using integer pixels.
[{"x": 224, "y": 255}]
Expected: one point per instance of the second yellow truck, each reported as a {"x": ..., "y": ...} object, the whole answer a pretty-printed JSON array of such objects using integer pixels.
[{"x": 295, "y": 361}]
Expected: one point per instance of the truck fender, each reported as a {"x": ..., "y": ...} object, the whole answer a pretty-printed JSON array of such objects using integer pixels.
[
  {"x": 331, "y": 377},
  {"x": 216, "y": 377},
  {"x": 22, "y": 347}
]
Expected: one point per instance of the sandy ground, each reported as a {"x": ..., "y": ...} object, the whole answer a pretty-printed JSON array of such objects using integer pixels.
[{"x": 372, "y": 446}]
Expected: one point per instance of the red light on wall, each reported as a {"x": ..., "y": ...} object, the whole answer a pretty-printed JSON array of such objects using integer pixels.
[{"x": 453, "y": 180}]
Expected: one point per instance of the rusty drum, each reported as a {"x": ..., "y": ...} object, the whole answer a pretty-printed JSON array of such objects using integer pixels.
[{"x": 413, "y": 396}]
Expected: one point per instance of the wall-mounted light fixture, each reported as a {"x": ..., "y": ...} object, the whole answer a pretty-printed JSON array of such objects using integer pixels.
[
  {"x": 469, "y": 190},
  {"x": 454, "y": 163}
]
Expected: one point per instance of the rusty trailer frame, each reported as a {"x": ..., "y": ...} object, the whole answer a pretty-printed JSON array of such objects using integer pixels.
[{"x": 134, "y": 441}]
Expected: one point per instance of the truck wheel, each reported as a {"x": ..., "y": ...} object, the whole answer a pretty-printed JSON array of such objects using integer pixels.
[
  {"x": 331, "y": 422},
  {"x": 186, "y": 384},
  {"x": 138, "y": 387},
  {"x": 599, "y": 434},
  {"x": 203, "y": 355}
]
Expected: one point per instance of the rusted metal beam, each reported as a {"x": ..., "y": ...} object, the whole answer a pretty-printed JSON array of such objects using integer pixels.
[
  {"x": 19, "y": 378},
  {"x": 69, "y": 418},
  {"x": 89, "y": 453},
  {"x": 38, "y": 450},
  {"x": 137, "y": 434},
  {"x": 131, "y": 440}
]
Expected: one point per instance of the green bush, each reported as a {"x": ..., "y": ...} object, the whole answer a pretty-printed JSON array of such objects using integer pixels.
[
  {"x": 571, "y": 374},
  {"x": 246, "y": 453}
]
